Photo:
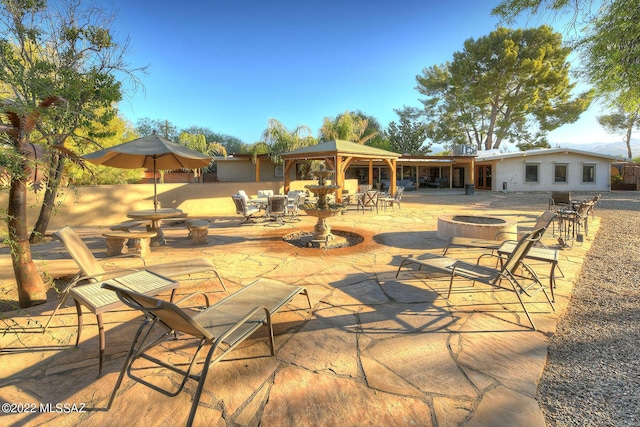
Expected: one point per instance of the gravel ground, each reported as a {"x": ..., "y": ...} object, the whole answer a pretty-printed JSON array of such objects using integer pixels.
[{"x": 592, "y": 376}]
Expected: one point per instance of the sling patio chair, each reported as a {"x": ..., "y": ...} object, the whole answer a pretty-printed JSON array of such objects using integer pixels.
[
  {"x": 223, "y": 326},
  {"x": 522, "y": 278},
  {"x": 91, "y": 271}
]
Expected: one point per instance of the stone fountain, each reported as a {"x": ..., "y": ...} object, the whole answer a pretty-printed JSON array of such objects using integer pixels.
[{"x": 322, "y": 209}]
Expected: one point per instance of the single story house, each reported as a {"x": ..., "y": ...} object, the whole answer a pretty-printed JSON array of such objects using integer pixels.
[{"x": 545, "y": 169}]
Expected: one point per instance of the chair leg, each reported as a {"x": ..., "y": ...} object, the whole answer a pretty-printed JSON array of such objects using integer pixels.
[
  {"x": 513, "y": 285},
  {"x": 450, "y": 286},
  {"x": 203, "y": 378},
  {"x": 101, "y": 342},
  {"x": 60, "y": 304},
  {"x": 125, "y": 366},
  {"x": 79, "y": 312}
]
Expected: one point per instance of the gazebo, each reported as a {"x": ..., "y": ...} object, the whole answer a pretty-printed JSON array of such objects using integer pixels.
[{"x": 339, "y": 155}]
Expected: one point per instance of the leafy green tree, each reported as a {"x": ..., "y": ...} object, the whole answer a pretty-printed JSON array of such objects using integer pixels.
[
  {"x": 607, "y": 41},
  {"x": 512, "y": 85},
  {"x": 409, "y": 135},
  {"x": 66, "y": 50},
  {"x": 348, "y": 127},
  {"x": 277, "y": 139},
  {"x": 116, "y": 131},
  {"x": 230, "y": 143},
  {"x": 146, "y": 126},
  {"x": 378, "y": 139},
  {"x": 622, "y": 121}
]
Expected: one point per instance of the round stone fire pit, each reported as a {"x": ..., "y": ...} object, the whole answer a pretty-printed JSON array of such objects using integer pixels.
[{"x": 476, "y": 226}]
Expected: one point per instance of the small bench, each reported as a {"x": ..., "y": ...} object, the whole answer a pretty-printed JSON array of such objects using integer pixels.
[
  {"x": 198, "y": 231},
  {"x": 127, "y": 225},
  {"x": 117, "y": 242}
]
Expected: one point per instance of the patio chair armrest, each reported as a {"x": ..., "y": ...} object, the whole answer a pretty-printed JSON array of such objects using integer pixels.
[
  {"x": 188, "y": 297},
  {"x": 491, "y": 255},
  {"x": 144, "y": 263}
]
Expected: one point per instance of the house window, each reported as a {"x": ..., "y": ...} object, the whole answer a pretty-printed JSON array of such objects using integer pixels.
[
  {"x": 531, "y": 173},
  {"x": 589, "y": 174},
  {"x": 560, "y": 173}
]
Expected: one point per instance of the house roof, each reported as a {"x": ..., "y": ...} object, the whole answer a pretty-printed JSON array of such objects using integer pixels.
[
  {"x": 339, "y": 147},
  {"x": 493, "y": 155}
]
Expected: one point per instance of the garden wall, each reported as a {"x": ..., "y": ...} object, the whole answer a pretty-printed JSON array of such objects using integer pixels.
[{"x": 109, "y": 204}]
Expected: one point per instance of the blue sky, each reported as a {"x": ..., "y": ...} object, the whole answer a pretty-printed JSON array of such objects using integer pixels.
[{"x": 231, "y": 66}]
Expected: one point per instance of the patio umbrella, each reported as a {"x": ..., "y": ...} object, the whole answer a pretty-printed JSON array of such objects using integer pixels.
[{"x": 150, "y": 152}]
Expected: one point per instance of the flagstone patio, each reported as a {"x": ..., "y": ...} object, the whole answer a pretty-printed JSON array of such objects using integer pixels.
[{"x": 376, "y": 349}]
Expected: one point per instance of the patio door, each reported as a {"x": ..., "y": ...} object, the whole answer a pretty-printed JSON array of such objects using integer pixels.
[{"x": 483, "y": 177}]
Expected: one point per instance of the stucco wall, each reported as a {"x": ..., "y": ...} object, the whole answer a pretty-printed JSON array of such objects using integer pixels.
[
  {"x": 512, "y": 170},
  {"x": 109, "y": 204}
]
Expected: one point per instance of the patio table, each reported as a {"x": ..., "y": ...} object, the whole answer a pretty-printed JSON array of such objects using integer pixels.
[
  {"x": 156, "y": 217},
  {"x": 99, "y": 300}
]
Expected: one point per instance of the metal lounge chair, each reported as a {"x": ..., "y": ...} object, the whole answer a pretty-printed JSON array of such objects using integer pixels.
[
  {"x": 91, "y": 271},
  {"x": 223, "y": 326},
  {"x": 521, "y": 278}
]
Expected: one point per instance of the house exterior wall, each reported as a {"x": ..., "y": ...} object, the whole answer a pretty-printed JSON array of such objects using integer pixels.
[
  {"x": 236, "y": 170},
  {"x": 512, "y": 172},
  {"x": 243, "y": 169}
]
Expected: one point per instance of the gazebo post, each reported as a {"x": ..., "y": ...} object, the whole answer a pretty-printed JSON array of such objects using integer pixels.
[
  {"x": 339, "y": 176},
  {"x": 287, "y": 179}
]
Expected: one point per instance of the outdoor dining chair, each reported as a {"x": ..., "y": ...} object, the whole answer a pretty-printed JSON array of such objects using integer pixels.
[
  {"x": 395, "y": 200},
  {"x": 277, "y": 208},
  {"x": 221, "y": 327},
  {"x": 293, "y": 205},
  {"x": 249, "y": 212},
  {"x": 560, "y": 200},
  {"x": 369, "y": 199}
]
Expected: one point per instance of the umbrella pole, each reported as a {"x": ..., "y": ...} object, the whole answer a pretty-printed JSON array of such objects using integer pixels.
[{"x": 155, "y": 189}]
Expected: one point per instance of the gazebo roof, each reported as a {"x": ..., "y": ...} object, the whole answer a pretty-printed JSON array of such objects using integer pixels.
[{"x": 339, "y": 148}]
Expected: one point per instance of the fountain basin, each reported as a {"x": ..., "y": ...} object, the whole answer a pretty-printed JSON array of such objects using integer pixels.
[
  {"x": 477, "y": 227},
  {"x": 321, "y": 213}
]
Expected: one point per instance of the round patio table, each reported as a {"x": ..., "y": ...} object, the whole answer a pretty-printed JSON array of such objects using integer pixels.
[{"x": 156, "y": 217}]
